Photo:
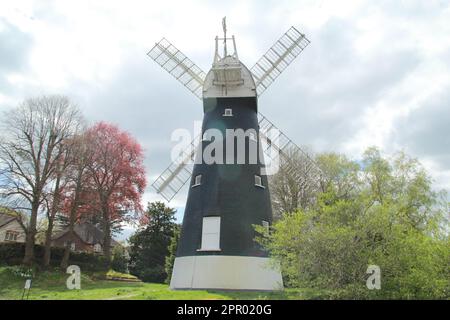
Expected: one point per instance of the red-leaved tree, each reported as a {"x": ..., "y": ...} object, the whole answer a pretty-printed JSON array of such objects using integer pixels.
[{"x": 116, "y": 177}]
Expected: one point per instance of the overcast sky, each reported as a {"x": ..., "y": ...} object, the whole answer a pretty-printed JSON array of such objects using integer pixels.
[{"x": 375, "y": 74}]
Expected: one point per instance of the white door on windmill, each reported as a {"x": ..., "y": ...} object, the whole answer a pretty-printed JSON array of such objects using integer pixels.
[{"x": 211, "y": 234}]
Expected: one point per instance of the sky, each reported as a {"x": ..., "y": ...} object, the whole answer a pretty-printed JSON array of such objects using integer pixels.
[{"x": 377, "y": 73}]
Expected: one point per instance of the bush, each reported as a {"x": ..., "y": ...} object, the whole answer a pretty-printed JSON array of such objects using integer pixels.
[
  {"x": 385, "y": 215},
  {"x": 156, "y": 274},
  {"x": 12, "y": 254},
  {"x": 119, "y": 261}
]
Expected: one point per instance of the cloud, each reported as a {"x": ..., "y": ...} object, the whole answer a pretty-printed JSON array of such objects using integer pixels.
[
  {"x": 334, "y": 87},
  {"x": 375, "y": 73},
  {"x": 14, "y": 50},
  {"x": 425, "y": 131}
]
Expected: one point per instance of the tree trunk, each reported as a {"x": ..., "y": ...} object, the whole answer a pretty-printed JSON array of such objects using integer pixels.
[
  {"x": 106, "y": 235},
  {"x": 31, "y": 234},
  {"x": 29, "y": 248},
  {"x": 51, "y": 219},
  {"x": 65, "y": 259},
  {"x": 72, "y": 218},
  {"x": 48, "y": 244}
]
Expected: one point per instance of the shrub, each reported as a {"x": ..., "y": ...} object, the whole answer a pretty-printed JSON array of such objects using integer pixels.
[
  {"x": 12, "y": 254},
  {"x": 156, "y": 274},
  {"x": 119, "y": 261},
  {"x": 385, "y": 215}
]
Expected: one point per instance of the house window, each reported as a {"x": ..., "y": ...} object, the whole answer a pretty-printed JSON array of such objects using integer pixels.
[
  {"x": 69, "y": 244},
  {"x": 11, "y": 235},
  {"x": 197, "y": 180},
  {"x": 210, "y": 234},
  {"x": 97, "y": 248},
  {"x": 258, "y": 181},
  {"x": 228, "y": 112}
]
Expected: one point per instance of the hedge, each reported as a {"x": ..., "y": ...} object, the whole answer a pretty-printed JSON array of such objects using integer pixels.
[{"x": 13, "y": 253}]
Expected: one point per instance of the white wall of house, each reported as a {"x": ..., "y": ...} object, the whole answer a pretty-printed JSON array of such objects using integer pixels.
[{"x": 12, "y": 226}]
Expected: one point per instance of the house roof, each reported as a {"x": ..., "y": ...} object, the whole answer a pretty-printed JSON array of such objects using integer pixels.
[
  {"x": 6, "y": 218},
  {"x": 87, "y": 232}
]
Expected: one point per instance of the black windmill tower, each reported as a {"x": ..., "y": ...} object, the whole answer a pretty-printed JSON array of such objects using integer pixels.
[{"x": 226, "y": 198}]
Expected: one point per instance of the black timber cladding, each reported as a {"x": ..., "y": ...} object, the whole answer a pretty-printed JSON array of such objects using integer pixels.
[{"x": 227, "y": 190}]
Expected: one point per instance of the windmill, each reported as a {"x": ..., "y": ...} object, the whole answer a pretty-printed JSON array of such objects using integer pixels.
[{"x": 226, "y": 199}]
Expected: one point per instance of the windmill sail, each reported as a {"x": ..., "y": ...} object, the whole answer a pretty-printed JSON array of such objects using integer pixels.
[
  {"x": 179, "y": 172},
  {"x": 281, "y": 149},
  {"x": 179, "y": 66},
  {"x": 278, "y": 58},
  {"x": 170, "y": 182},
  {"x": 265, "y": 71}
]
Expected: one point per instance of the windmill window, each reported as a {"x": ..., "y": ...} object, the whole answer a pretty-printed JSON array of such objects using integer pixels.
[
  {"x": 252, "y": 136},
  {"x": 210, "y": 234},
  {"x": 265, "y": 224},
  {"x": 228, "y": 112},
  {"x": 197, "y": 180},
  {"x": 258, "y": 181}
]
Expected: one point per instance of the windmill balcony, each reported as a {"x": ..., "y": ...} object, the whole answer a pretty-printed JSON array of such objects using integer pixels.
[{"x": 228, "y": 76}]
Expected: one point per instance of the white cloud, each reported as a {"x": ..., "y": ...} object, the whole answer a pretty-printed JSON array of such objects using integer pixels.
[{"x": 370, "y": 66}]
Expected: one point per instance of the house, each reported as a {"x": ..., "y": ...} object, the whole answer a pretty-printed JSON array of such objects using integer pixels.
[
  {"x": 87, "y": 238},
  {"x": 10, "y": 228}
]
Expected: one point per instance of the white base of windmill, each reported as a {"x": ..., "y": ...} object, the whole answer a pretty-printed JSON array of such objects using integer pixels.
[{"x": 225, "y": 272}]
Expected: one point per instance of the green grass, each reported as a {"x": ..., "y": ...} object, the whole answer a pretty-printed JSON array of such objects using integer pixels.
[
  {"x": 114, "y": 275},
  {"x": 52, "y": 286}
]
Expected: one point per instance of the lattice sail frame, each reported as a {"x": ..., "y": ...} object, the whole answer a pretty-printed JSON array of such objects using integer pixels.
[
  {"x": 283, "y": 147},
  {"x": 278, "y": 58},
  {"x": 265, "y": 71},
  {"x": 178, "y": 173},
  {"x": 277, "y": 149},
  {"x": 179, "y": 66}
]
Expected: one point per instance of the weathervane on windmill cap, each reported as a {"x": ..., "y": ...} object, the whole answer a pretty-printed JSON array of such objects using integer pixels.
[
  {"x": 224, "y": 27},
  {"x": 228, "y": 77}
]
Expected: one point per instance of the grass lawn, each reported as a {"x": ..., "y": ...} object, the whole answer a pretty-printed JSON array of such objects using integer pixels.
[{"x": 52, "y": 286}]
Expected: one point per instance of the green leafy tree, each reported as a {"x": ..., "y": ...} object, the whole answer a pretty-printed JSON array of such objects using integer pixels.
[
  {"x": 149, "y": 246},
  {"x": 170, "y": 258},
  {"x": 293, "y": 186},
  {"x": 382, "y": 213},
  {"x": 119, "y": 261}
]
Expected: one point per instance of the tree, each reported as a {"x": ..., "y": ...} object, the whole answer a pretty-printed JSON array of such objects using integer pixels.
[
  {"x": 339, "y": 175},
  {"x": 295, "y": 184},
  {"x": 53, "y": 198},
  {"x": 120, "y": 259},
  {"x": 170, "y": 258},
  {"x": 30, "y": 151},
  {"x": 116, "y": 175},
  {"x": 77, "y": 193},
  {"x": 149, "y": 246},
  {"x": 404, "y": 181},
  {"x": 383, "y": 213}
]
